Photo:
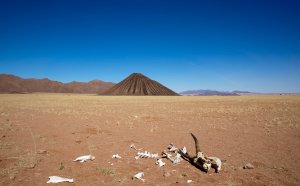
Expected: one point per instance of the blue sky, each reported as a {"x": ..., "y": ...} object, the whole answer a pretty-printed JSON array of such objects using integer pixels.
[{"x": 212, "y": 44}]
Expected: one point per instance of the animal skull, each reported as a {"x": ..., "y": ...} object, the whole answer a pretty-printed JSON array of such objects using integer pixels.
[{"x": 200, "y": 160}]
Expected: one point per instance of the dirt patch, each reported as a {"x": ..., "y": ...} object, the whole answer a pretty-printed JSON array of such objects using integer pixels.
[{"x": 260, "y": 130}]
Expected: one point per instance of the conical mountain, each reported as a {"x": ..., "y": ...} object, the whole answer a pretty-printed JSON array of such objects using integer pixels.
[{"x": 139, "y": 85}]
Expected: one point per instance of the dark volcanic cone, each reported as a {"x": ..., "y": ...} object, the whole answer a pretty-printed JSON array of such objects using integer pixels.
[{"x": 139, "y": 85}]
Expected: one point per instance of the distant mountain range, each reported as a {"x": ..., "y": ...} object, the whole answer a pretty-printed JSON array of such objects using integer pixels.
[
  {"x": 213, "y": 93},
  {"x": 15, "y": 84}
]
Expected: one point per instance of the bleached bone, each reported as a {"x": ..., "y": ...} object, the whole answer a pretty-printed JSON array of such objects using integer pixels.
[
  {"x": 139, "y": 176},
  {"x": 57, "y": 179},
  {"x": 84, "y": 158},
  {"x": 177, "y": 159},
  {"x": 174, "y": 160},
  {"x": 133, "y": 146},
  {"x": 184, "y": 150},
  {"x": 200, "y": 160},
  {"x": 172, "y": 148},
  {"x": 145, "y": 155},
  {"x": 164, "y": 154},
  {"x": 160, "y": 163},
  {"x": 116, "y": 156},
  {"x": 216, "y": 163}
]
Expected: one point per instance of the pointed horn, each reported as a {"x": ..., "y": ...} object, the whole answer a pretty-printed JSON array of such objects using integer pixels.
[{"x": 196, "y": 143}]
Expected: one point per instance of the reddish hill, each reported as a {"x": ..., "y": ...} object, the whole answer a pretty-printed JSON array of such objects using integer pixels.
[
  {"x": 15, "y": 84},
  {"x": 138, "y": 84}
]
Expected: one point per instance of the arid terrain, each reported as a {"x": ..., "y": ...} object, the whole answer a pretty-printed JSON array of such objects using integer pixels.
[
  {"x": 41, "y": 135},
  {"x": 14, "y": 84}
]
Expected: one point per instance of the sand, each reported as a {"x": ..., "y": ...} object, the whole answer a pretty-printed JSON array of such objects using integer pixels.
[{"x": 41, "y": 135}]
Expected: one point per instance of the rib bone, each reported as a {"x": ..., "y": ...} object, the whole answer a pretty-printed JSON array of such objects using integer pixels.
[{"x": 146, "y": 155}]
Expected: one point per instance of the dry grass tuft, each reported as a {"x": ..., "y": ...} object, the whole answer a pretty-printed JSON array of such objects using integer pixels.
[
  {"x": 28, "y": 161},
  {"x": 105, "y": 171}
]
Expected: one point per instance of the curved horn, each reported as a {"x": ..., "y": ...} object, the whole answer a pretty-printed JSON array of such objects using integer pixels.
[{"x": 196, "y": 143}]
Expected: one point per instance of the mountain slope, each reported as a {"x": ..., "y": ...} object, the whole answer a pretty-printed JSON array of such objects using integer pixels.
[
  {"x": 11, "y": 83},
  {"x": 138, "y": 84}
]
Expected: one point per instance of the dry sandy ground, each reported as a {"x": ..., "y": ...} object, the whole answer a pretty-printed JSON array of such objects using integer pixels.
[{"x": 261, "y": 130}]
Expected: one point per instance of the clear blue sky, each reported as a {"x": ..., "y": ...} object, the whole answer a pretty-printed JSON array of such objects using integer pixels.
[{"x": 226, "y": 45}]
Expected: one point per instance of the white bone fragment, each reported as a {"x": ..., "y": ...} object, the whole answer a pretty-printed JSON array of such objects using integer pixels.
[
  {"x": 172, "y": 148},
  {"x": 174, "y": 160},
  {"x": 160, "y": 163},
  {"x": 189, "y": 181},
  {"x": 166, "y": 155},
  {"x": 154, "y": 155},
  {"x": 216, "y": 163},
  {"x": 84, "y": 158},
  {"x": 139, "y": 176},
  {"x": 57, "y": 179},
  {"x": 146, "y": 155},
  {"x": 177, "y": 159},
  {"x": 184, "y": 150},
  {"x": 133, "y": 146},
  {"x": 116, "y": 156}
]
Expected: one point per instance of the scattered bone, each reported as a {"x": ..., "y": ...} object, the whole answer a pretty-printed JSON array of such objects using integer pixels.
[
  {"x": 177, "y": 159},
  {"x": 146, "y": 155},
  {"x": 139, "y": 176},
  {"x": 133, "y": 146},
  {"x": 57, "y": 179},
  {"x": 116, "y": 156},
  {"x": 189, "y": 181},
  {"x": 84, "y": 158},
  {"x": 172, "y": 148},
  {"x": 201, "y": 160},
  {"x": 216, "y": 163},
  {"x": 174, "y": 160},
  {"x": 248, "y": 166},
  {"x": 166, "y": 155},
  {"x": 160, "y": 163},
  {"x": 184, "y": 150}
]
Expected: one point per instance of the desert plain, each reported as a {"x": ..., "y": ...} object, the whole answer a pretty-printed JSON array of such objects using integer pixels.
[{"x": 41, "y": 134}]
